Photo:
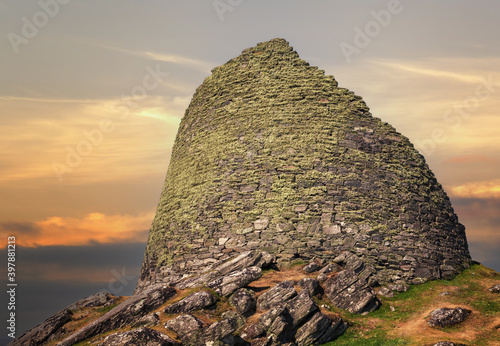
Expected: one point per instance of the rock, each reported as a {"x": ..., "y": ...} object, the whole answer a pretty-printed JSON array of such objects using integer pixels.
[
  {"x": 445, "y": 293},
  {"x": 226, "y": 285},
  {"x": 94, "y": 300},
  {"x": 195, "y": 301},
  {"x": 253, "y": 331},
  {"x": 398, "y": 287},
  {"x": 385, "y": 292},
  {"x": 448, "y": 317},
  {"x": 281, "y": 324},
  {"x": 392, "y": 308},
  {"x": 310, "y": 285},
  {"x": 276, "y": 295},
  {"x": 494, "y": 289},
  {"x": 319, "y": 330},
  {"x": 322, "y": 277},
  {"x": 244, "y": 260},
  {"x": 300, "y": 307},
  {"x": 139, "y": 337},
  {"x": 349, "y": 260},
  {"x": 347, "y": 291},
  {"x": 244, "y": 301},
  {"x": 444, "y": 343},
  {"x": 311, "y": 267},
  {"x": 265, "y": 341},
  {"x": 185, "y": 326},
  {"x": 41, "y": 333},
  {"x": 219, "y": 330},
  {"x": 123, "y": 314},
  {"x": 147, "y": 321},
  {"x": 330, "y": 268}
]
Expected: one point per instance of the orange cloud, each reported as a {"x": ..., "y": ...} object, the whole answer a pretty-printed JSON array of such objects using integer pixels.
[
  {"x": 93, "y": 228},
  {"x": 484, "y": 189},
  {"x": 471, "y": 159}
]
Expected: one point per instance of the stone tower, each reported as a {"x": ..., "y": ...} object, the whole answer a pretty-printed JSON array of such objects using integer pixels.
[{"x": 271, "y": 154}]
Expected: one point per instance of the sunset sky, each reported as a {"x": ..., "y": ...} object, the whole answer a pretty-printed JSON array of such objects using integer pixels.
[{"x": 92, "y": 92}]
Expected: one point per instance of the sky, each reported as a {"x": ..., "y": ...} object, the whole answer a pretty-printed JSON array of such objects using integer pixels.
[{"x": 92, "y": 93}]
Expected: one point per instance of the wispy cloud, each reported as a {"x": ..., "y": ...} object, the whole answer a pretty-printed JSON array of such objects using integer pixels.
[
  {"x": 71, "y": 231},
  {"x": 177, "y": 59},
  {"x": 482, "y": 189}
]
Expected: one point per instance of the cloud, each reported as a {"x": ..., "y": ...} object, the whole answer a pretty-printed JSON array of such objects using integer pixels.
[
  {"x": 177, "y": 59},
  {"x": 482, "y": 189},
  {"x": 92, "y": 228},
  {"x": 468, "y": 159}
]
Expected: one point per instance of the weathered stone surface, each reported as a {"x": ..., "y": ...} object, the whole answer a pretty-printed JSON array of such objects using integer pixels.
[
  {"x": 312, "y": 267},
  {"x": 39, "y": 334},
  {"x": 240, "y": 262},
  {"x": 226, "y": 285},
  {"x": 94, "y": 300},
  {"x": 494, "y": 289},
  {"x": 385, "y": 292},
  {"x": 139, "y": 337},
  {"x": 448, "y": 317},
  {"x": 319, "y": 330},
  {"x": 219, "y": 330},
  {"x": 348, "y": 291},
  {"x": 195, "y": 301},
  {"x": 330, "y": 268},
  {"x": 310, "y": 285},
  {"x": 276, "y": 295},
  {"x": 260, "y": 177},
  {"x": 147, "y": 321},
  {"x": 244, "y": 301},
  {"x": 125, "y": 313},
  {"x": 398, "y": 287},
  {"x": 185, "y": 326},
  {"x": 300, "y": 308},
  {"x": 253, "y": 331}
]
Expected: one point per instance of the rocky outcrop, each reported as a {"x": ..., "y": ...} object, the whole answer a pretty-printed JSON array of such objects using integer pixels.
[
  {"x": 276, "y": 295},
  {"x": 351, "y": 292},
  {"x": 448, "y": 317},
  {"x": 97, "y": 299},
  {"x": 139, "y": 337},
  {"x": 226, "y": 285},
  {"x": 41, "y": 333},
  {"x": 244, "y": 301},
  {"x": 125, "y": 313}
]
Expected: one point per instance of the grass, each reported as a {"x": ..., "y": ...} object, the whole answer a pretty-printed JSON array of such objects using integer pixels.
[{"x": 407, "y": 325}]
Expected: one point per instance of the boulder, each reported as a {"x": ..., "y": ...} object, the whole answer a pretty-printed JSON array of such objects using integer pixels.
[
  {"x": 348, "y": 291},
  {"x": 185, "y": 326},
  {"x": 310, "y": 285},
  {"x": 139, "y": 337},
  {"x": 147, "y": 321},
  {"x": 494, "y": 289},
  {"x": 253, "y": 331},
  {"x": 227, "y": 284},
  {"x": 193, "y": 302},
  {"x": 398, "y": 287},
  {"x": 300, "y": 307},
  {"x": 448, "y": 317},
  {"x": 243, "y": 301},
  {"x": 276, "y": 295},
  {"x": 123, "y": 314},
  {"x": 311, "y": 267},
  {"x": 319, "y": 329}
]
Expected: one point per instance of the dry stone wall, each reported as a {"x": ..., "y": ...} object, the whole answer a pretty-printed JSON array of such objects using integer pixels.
[{"x": 272, "y": 155}]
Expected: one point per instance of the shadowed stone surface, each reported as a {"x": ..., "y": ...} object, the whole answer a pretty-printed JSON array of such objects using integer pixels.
[
  {"x": 276, "y": 295},
  {"x": 271, "y": 154},
  {"x": 243, "y": 301}
]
